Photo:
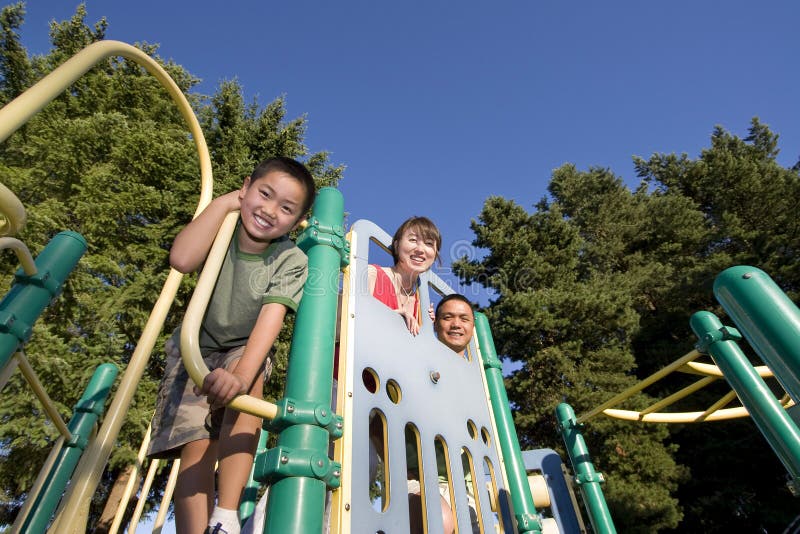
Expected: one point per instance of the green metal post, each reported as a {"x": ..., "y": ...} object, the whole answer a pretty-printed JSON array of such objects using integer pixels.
[
  {"x": 767, "y": 318},
  {"x": 587, "y": 479},
  {"x": 521, "y": 498},
  {"x": 769, "y": 416},
  {"x": 30, "y": 295},
  {"x": 250, "y": 494},
  {"x": 87, "y": 411},
  {"x": 298, "y": 467}
]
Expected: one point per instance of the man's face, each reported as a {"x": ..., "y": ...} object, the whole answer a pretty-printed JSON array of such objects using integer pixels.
[{"x": 455, "y": 324}]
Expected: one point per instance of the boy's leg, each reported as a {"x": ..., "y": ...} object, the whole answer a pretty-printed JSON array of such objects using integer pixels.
[
  {"x": 238, "y": 439},
  {"x": 194, "y": 488}
]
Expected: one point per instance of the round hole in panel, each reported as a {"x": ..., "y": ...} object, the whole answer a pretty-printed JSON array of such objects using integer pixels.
[
  {"x": 370, "y": 379},
  {"x": 472, "y": 429},
  {"x": 485, "y": 435},
  {"x": 393, "y": 391}
]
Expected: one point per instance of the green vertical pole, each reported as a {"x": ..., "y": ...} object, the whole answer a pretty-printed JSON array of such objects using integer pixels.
[
  {"x": 767, "y": 318},
  {"x": 521, "y": 498},
  {"x": 769, "y": 416},
  {"x": 247, "y": 504},
  {"x": 30, "y": 295},
  {"x": 87, "y": 411},
  {"x": 587, "y": 479},
  {"x": 298, "y": 467}
]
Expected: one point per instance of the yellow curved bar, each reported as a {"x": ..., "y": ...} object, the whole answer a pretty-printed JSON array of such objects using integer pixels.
[
  {"x": 49, "y": 407},
  {"x": 12, "y": 212},
  {"x": 683, "y": 417},
  {"x": 675, "y": 397},
  {"x": 12, "y": 116},
  {"x": 18, "y": 111},
  {"x": 22, "y": 252},
  {"x": 714, "y": 413},
  {"x": 631, "y": 391},
  {"x": 190, "y": 343},
  {"x": 712, "y": 370}
]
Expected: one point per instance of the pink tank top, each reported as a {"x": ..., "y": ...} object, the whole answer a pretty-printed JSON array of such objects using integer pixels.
[{"x": 384, "y": 291}]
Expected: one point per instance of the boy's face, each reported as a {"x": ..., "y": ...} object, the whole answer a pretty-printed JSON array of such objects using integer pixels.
[
  {"x": 271, "y": 206},
  {"x": 455, "y": 324}
]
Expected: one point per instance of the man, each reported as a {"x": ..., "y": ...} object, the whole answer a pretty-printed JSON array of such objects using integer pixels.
[{"x": 454, "y": 322}]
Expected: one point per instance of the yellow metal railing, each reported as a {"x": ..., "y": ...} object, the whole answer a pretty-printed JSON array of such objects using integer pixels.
[
  {"x": 14, "y": 115},
  {"x": 93, "y": 461},
  {"x": 654, "y": 414}
]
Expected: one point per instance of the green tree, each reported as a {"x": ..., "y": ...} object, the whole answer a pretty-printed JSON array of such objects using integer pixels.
[
  {"x": 111, "y": 159},
  {"x": 747, "y": 202},
  {"x": 594, "y": 290}
]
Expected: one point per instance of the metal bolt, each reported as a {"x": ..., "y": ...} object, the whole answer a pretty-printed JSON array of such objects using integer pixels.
[
  {"x": 339, "y": 426},
  {"x": 290, "y": 408},
  {"x": 435, "y": 376},
  {"x": 319, "y": 463},
  {"x": 284, "y": 459},
  {"x": 347, "y": 506},
  {"x": 323, "y": 413},
  {"x": 747, "y": 276},
  {"x": 349, "y": 393},
  {"x": 337, "y": 474}
]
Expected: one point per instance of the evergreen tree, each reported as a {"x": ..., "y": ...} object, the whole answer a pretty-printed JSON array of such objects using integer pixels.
[
  {"x": 112, "y": 160},
  {"x": 594, "y": 291}
]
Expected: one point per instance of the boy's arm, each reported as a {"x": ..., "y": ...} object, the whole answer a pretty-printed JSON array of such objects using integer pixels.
[
  {"x": 191, "y": 245},
  {"x": 222, "y": 386}
]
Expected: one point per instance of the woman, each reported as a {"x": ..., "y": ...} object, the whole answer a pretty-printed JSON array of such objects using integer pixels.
[{"x": 415, "y": 246}]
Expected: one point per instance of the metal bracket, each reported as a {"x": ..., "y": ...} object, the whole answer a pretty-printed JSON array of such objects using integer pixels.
[
  {"x": 587, "y": 478},
  {"x": 281, "y": 462},
  {"x": 528, "y": 523},
  {"x": 317, "y": 233},
  {"x": 725, "y": 333},
  {"x": 42, "y": 279},
  {"x": 294, "y": 412},
  {"x": 13, "y": 325}
]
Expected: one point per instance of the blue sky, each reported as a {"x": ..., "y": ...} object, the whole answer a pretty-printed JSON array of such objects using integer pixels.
[{"x": 434, "y": 106}]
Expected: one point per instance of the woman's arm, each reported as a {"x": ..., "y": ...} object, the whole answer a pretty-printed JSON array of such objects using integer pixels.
[{"x": 191, "y": 245}]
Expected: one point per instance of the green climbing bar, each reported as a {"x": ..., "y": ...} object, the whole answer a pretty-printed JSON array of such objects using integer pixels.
[
  {"x": 521, "y": 499},
  {"x": 298, "y": 467}
]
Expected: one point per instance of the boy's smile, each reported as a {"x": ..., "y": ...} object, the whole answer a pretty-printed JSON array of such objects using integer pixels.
[{"x": 271, "y": 206}]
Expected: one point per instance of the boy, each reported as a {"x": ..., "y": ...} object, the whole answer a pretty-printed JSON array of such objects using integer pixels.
[{"x": 261, "y": 278}]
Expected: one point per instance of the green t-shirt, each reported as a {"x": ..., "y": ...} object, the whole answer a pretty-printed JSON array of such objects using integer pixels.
[{"x": 246, "y": 282}]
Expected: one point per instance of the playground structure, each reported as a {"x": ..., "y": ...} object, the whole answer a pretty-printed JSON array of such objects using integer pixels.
[{"x": 487, "y": 474}]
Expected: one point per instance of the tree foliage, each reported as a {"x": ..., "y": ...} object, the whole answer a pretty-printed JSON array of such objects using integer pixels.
[
  {"x": 112, "y": 159},
  {"x": 594, "y": 290}
]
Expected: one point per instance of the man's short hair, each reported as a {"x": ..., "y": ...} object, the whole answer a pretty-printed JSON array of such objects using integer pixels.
[{"x": 454, "y": 296}]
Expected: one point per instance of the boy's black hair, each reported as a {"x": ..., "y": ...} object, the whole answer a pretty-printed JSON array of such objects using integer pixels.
[
  {"x": 454, "y": 296},
  {"x": 293, "y": 168}
]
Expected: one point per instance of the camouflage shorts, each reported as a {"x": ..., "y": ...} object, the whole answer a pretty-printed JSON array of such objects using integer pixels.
[{"x": 181, "y": 416}]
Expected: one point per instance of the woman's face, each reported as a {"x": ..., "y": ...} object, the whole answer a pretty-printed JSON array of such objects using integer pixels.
[{"x": 414, "y": 253}]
